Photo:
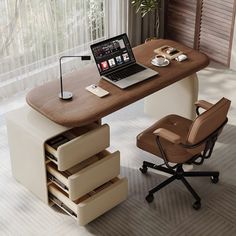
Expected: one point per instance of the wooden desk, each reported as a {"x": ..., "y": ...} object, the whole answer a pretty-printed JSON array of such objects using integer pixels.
[
  {"x": 86, "y": 107},
  {"x": 95, "y": 183}
]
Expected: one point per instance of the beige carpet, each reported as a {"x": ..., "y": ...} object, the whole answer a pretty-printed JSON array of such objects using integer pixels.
[{"x": 21, "y": 213}]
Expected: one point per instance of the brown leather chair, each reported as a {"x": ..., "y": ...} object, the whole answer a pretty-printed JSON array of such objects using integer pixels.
[{"x": 179, "y": 140}]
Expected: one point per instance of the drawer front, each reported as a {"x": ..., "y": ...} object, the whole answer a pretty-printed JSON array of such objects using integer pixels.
[
  {"x": 100, "y": 203},
  {"x": 94, "y": 175},
  {"x": 95, "y": 205},
  {"x": 83, "y": 147}
]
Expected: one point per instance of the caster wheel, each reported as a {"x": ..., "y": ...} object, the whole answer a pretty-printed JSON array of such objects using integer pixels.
[
  {"x": 143, "y": 169},
  {"x": 149, "y": 198},
  {"x": 197, "y": 205},
  {"x": 214, "y": 179}
]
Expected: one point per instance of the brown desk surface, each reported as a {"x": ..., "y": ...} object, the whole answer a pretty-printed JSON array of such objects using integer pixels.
[{"x": 86, "y": 107}]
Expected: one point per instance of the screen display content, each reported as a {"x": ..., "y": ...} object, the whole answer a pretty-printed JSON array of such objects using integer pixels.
[{"x": 112, "y": 53}]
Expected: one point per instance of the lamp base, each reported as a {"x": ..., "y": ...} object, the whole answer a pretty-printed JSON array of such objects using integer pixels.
[{"x": 65, "y": 95}]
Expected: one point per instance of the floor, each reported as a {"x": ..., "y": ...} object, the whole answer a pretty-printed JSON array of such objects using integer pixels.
[{"x": 170, "y": 214}]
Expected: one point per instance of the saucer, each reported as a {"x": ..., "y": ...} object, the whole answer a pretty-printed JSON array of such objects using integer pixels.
[{"x": 165, "y": 63}]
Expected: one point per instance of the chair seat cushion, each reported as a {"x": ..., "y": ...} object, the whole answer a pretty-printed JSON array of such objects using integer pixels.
[{"x": 174, "y": 152}]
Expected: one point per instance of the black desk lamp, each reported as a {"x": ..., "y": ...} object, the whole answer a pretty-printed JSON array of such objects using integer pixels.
[{"x": 65, "y": 95}]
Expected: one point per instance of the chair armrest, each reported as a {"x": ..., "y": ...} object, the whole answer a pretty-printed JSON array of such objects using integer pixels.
[
  {"x": 168, "y": 135},
  {"x": 203, "y": 104}
]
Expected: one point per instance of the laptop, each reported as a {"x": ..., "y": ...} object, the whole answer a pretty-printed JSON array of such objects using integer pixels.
[{"x": 116, "y": 62}]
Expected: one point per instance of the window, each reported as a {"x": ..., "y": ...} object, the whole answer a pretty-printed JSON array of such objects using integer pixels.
[{"x": 34, "y": 33}]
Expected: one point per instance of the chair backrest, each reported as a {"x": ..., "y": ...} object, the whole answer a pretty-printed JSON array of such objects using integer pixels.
[{"x": 208, "y": 121}]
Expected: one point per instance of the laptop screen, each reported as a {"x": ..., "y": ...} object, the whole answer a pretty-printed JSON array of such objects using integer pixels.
[{"x": 112, "y": 54}]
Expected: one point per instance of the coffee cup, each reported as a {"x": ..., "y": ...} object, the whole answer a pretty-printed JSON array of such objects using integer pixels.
[{"x": 160, "y": 59}]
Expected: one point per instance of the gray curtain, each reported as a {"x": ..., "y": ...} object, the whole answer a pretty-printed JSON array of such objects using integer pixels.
[{"x": 142, "y": 28}]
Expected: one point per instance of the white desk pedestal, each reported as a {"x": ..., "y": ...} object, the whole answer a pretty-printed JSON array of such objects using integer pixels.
[
  {"x": 91, "y": 189},
  {"x": 177, "y": 98}
]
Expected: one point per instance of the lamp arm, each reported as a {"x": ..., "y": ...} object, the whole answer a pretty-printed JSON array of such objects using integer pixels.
[{"x": 83, "y": 58}]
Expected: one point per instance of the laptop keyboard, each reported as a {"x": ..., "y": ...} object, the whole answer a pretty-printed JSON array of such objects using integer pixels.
[{"x": 126, "y": 72}]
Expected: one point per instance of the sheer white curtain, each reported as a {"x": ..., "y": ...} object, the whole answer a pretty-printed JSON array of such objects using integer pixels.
[
  {"x": 116, "y": 17},
  {"x": 35, "y": 33}
]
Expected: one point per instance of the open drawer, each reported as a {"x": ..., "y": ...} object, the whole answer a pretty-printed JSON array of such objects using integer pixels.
[
  {"x": 76, "y": 145},
  {"x": 93, "y": 204},
  {"x": 86, "y": 176}
]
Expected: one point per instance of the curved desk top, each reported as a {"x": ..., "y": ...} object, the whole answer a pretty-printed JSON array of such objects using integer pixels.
[{"x": 86, "y": 107}]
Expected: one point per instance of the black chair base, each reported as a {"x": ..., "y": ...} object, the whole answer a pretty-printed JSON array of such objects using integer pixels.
[{"x": 180, "y": 174}]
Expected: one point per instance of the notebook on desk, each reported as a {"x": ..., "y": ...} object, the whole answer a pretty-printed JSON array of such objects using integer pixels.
[{"x": 116, "y": 62}]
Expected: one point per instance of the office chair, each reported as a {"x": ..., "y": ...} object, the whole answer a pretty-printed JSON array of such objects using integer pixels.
[{"x": 178, "y": 140}]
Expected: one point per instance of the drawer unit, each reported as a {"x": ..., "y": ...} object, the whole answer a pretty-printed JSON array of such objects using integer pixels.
[
  {"x": 71, "y": 167},
  {"x": 74, "y": 146},
  {"x": 86, "y": 176},
  {"x": 93, "y": 204}
]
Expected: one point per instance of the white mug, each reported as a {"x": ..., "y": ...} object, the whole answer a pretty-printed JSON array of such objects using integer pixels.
[{"x": 160, "y": 59}]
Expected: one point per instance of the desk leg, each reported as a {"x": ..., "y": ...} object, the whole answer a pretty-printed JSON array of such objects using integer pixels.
[{"x": 178, "y": 98}]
